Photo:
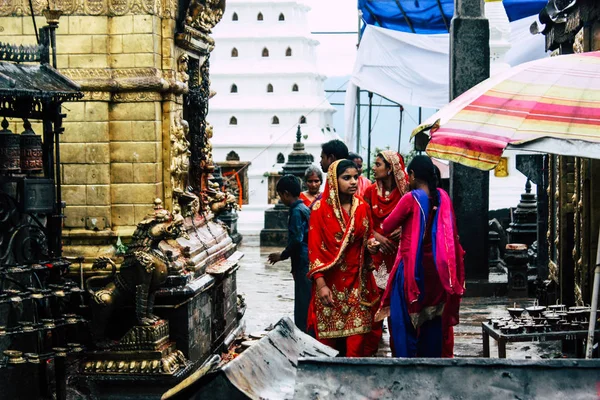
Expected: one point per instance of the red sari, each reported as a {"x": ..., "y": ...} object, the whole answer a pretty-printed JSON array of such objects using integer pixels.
[
  {"x": 308, "y": 202},
  {"x": 382, "y": 204},
  {"x": 336, "y": 246}
]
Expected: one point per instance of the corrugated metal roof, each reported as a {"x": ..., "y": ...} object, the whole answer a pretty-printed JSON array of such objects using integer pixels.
[{"x": 36, "y": 81}]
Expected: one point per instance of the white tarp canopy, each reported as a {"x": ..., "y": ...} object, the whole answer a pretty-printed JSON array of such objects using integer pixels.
[{"x": 413, "y": 69}]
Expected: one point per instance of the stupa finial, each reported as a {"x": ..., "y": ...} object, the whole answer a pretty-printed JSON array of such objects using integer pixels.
[{"x": 298, "y": 135}]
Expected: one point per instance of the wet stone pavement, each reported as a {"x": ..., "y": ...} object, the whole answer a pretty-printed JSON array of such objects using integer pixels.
[{"x": 269, "y": 293}]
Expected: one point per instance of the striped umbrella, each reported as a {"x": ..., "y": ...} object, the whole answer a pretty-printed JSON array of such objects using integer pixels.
[{"x": 550, "y": 105}]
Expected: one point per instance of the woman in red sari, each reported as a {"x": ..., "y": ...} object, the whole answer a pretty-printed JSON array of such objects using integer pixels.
[
  {"x": 344, "y": 291},
  {"x": 391, "y": 183},
  {"x": 313, "y": 179}
]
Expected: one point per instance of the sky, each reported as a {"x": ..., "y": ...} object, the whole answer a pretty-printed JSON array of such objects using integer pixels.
[{"x": 336, "y": 54}]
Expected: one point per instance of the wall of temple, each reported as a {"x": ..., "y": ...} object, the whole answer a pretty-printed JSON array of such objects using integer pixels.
[{"x": 116, "y": 149}]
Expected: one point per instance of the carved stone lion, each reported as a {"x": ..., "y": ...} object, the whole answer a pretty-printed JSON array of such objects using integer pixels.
[{"x": 144, "y": 269}]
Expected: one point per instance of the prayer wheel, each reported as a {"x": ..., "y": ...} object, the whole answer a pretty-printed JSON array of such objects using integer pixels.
[
  {"x": 10, "y": 157},
  {"x": 31, "y": 149}
]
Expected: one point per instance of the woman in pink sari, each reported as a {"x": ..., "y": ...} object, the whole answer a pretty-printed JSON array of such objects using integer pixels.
[{"x": 423, "y": 293}]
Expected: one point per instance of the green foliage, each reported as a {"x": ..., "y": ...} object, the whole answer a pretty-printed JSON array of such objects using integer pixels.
[{"x": 121, "y": 247}]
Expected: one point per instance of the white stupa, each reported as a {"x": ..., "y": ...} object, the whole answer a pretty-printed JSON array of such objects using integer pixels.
[{"x": 264, "y": 71}]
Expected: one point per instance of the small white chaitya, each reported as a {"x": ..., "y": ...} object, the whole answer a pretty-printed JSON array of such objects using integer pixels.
[{"x": 264, "y": 71}]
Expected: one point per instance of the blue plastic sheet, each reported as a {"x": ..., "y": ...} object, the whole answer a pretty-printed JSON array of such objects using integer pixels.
[{"x": 431, "y": 16}]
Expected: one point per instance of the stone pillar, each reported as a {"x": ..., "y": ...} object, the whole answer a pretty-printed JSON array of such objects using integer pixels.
[
  {"x": 469, "y": 188},
  {"x": 276, "y": 218}
]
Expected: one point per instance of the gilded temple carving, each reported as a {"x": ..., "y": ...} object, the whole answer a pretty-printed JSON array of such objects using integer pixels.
[
  {"x": 203, "y": 15},
  {"x": 180, "y": 154},
  {"x": 165, "y": 9}
]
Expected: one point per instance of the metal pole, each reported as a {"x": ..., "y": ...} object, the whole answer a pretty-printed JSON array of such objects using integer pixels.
[
  {"x": 420, "y": 115},
  {"x": 593, "y": 312},
  {"x": 358, "y": 131},
  {"x": 369, "y": 136},
  {"x": 400, "y": 127}
]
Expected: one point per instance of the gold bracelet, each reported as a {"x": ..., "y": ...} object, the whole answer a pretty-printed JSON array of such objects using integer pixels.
[{"x": 322, "y": 286}]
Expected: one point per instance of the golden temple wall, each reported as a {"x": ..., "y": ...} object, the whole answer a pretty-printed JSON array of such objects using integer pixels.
[{"x": 123, "y": 54}]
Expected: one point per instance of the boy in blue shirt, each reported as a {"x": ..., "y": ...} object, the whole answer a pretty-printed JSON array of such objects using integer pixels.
[{"x": 289, "y": 188}]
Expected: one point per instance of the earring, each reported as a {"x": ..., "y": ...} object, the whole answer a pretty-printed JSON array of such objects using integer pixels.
[{"x": 389, "y": 172}]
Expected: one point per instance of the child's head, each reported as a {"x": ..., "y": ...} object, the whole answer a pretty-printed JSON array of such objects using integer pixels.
[{"x": 288, "y": 188}]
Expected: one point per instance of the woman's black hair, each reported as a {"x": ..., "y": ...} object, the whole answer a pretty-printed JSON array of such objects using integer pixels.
[
  {"x": 424, "y": 170},
  {"x": 387, "y": 164},
  {"x": 343, "y": 166}
]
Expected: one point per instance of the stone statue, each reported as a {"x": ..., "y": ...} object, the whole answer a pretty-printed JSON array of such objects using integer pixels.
[
  {"x": 182, "y": 68},
  {"x": 207, "y": 150},
  {"x": 180, "y": 154},
  {"x": 144, "y": 269},
  {"x": 218, "y": 201},
  {"x": 205, "y": 14}
]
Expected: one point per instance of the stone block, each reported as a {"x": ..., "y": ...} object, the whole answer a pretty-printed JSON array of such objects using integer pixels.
[
  {"x": 157, "y": 43},
  {"x": 121, "y": 173},
  {"x": 97, "y": 153},
  {"x": 144, "y": 60},
  {"x": 74, "y": 195},
  {"x": 70, "y": 153},
  {"x": 115, "y": 44},
  {"x": 138, "y": 43},
  {"x": 62, "y": 61},
  {"x": 122, "y": 215},
  {"x": 75, "y": 111},
  {"x": 88, "y": 25},
  {"x": 122, "y": 60},
  {"x": 10, "y": 26},
  {"x": 75, "y": 216},
  {"x": 144, "y": 173},
  {"x": 121, "y": 131},
  {"x": 138, "y": 193},
  {"x": 101, "y": 215},
  {"x": 145, "y": 111},
  {"x": 168, "y": 27},
  {"x": 74, "y": 174},
  {"x": 75, "y": 44},
  {"x": 144, "y": 130},
  {"x": 99, "y": 44},
  {"x": 121, "y": 25},
  {"x": 85, "y": 132},
  {"x": 141, "y": 210},
  {"x": 96, "y": 111},
  {"x": 168, "y": 48},
  {"x": 143, "y": 24},
  {"x": 98, "y": 195},
  {"x": 133, "y": 152},
  {"x": 88, "y": 61},
  {"x": 98, "y": 174},
  {"x": 168, "y": 63}
]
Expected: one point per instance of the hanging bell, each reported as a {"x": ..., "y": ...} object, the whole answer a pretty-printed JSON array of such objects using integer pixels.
[
  {"x": 10, "y": 157},
  {"x": 31, "y": 149}
]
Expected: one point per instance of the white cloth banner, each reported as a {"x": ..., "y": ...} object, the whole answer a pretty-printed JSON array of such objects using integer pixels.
[{"x": 413, "y": 69}]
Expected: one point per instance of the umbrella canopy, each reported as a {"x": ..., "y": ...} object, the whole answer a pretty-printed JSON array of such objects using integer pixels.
[{"x": 550, "y": 105}]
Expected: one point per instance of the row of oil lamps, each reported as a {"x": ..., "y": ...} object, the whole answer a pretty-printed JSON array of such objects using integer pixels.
[{"x": 20, "y": 152}]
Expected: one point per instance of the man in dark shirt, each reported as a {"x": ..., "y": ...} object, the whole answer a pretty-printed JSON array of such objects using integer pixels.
[{"x": 288, "y": 189}]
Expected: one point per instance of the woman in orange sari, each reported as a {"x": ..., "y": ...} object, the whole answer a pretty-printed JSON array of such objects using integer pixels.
[
  {"x": 344, "y": 291},
  {"x": 313, "y": 179},
  {"x": 391, "y": 183}
]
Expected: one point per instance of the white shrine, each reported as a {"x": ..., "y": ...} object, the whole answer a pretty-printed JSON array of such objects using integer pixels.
[{"x": 264, "y": 71}]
